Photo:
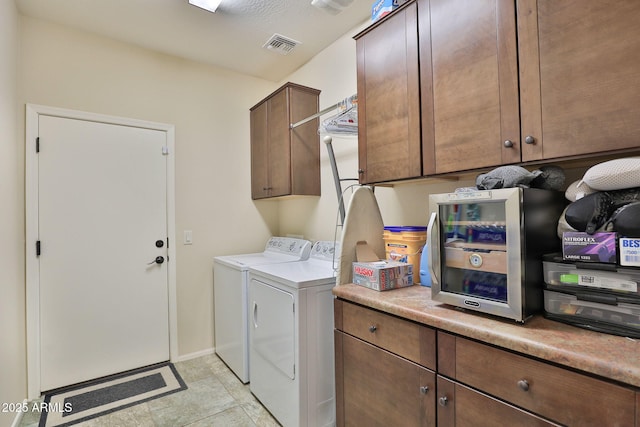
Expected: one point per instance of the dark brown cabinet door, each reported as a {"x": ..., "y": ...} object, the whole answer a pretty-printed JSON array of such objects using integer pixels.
[
  {"x": 580, "y": 76},
  {"x": 278, "y": 157},
  {"x": 259, "y": 151},
  {"x": 379, "y": 388},
  {"x": 475, "y": 83},
  {"x": 389, "y": 145}
]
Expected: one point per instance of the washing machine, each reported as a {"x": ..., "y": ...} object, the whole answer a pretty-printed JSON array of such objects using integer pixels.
[
  {"x": 291, "y": 338},
  {"x": 230, "y": 293}
]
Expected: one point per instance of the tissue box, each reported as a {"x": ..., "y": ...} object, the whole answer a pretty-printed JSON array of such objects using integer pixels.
[
  {"x": 383, "y": 275},
  {"x": 597, "y": 247},
  {"x": 381, "y": 8}
]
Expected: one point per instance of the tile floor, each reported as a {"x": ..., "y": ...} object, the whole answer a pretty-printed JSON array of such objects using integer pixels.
[{"x": 215, "y": 397}]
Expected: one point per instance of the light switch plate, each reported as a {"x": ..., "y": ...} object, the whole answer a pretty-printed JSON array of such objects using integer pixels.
[{"x": 188, "y": 237}]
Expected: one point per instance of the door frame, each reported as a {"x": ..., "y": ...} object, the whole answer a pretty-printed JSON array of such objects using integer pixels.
[{"x": 33, "y": 112}]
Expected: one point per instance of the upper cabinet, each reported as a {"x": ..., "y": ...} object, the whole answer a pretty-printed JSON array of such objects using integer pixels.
[
  {"x": 285, "y": 161},
  {"x": 389, "y": 99},
  {"x": 499, "y": 82},
  {"x": 579, "y": 76},
  {"x": 474, "y": 69}
]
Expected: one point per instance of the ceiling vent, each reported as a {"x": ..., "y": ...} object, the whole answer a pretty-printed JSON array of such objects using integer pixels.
[{"x": 281, "y": 44}]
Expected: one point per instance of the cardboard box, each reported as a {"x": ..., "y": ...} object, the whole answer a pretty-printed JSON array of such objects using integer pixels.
[
  {"x": 372, "y": 272},
  {"x": 383, "y": 275},
  {"x": 382, "y": 8},
  {"x": 597, "y": 247},
  {"x": 629, "y": 250}
]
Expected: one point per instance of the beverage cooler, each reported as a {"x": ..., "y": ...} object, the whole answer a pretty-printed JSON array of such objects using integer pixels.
[{"x": 486, "y": 247}]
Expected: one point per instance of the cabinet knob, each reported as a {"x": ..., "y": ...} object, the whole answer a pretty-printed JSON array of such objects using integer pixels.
[
  {"x": 508, "y": 143},
  {"x": 360, "y": 171},
  {"x": 443, "y": 401},
  {"x": 424, "y": 389},
  {"x": 529, "y": 139},
  {"x": 373, "y": 328},
  {"x": 524, "y": 385}
]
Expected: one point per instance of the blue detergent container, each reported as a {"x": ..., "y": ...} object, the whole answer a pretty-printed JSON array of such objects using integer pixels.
[{"x": 425, "y": 277}]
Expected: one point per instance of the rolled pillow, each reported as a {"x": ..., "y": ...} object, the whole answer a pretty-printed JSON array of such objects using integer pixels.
[
  {"x": 614, "y": 175},
  {"x": 577, "y": 190}
]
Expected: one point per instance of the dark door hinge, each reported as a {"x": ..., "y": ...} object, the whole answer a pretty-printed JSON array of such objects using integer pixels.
[
  {"x": 38, "y": 248},
  {"x": 37, "y": 144}
]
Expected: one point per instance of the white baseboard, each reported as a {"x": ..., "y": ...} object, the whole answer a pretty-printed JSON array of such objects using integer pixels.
[{"x": 190, "y": 356}]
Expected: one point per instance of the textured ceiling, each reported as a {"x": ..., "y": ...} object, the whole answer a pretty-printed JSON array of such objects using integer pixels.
[{"x": 231, "y": 38}]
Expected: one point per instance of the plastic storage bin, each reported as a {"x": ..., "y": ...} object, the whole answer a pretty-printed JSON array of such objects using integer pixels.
[
  {"x": 592, "y": 277},
  {"x": 404, "y": 244},
  {"x": 584, "y": 311}
]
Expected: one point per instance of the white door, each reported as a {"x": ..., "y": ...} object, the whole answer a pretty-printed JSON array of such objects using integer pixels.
[
  {"x": 273, "y": 330},
  {"x": 102, "y": 222},
  {"x": 272, "y": 356}
]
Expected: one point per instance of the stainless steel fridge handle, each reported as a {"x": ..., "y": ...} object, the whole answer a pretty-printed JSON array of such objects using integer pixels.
[{"x": 434, "y": 248}]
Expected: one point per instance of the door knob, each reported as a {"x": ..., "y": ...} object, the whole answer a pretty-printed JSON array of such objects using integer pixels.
[{"x": 158, "y": 260}]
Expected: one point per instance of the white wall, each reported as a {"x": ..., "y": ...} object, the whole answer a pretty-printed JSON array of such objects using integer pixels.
[
  {"x": 12, "y": 295},
  {"x": 209, "y": 107}
]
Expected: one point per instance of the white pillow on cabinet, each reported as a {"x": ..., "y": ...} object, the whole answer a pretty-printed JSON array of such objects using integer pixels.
[{"x": 614, "y": 174}]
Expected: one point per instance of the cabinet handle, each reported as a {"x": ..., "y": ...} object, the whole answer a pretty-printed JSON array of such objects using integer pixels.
[
  {"x": 360, "y": 171},
  {"x": 524, "y": 385},
  {"x": 529, "y": 139},
  {"x": 508, "y": 143},
  {"x": 424, "y": 389},
  {"x": 443, "y": 401},
  {"x": 373, "y": 328}
]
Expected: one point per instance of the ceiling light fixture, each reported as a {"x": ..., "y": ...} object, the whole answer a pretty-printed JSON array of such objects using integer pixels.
[
  {"x": 210, "y": 5},
  {"x": 331, "y": 6}
]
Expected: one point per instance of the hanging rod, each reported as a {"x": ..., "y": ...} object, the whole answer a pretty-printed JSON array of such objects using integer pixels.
[{"x": 326, "y": 110}]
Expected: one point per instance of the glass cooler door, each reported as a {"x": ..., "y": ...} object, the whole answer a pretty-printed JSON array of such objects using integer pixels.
[{"x": 473, "y": 249}]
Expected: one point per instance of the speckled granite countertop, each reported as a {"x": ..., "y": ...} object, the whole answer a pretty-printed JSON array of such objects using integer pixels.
[{"x": 609, "y": 356}]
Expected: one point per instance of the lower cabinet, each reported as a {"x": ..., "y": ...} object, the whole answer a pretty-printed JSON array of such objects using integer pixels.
[
  {"x": 392, "y": 371},
  {"x": 382, "y": 389},
  {"x": 375, "y": 387},
  {"x": 459, "y": 405},
  {"x": 557, "y": 394}
]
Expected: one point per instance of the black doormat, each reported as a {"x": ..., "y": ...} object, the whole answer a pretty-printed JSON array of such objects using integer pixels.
[{"x": 74, "y": 404}]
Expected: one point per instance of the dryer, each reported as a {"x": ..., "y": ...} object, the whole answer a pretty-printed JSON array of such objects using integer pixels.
[
  {"x": 291, "y": 338},
  {"x": 230, "y": 293}
]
